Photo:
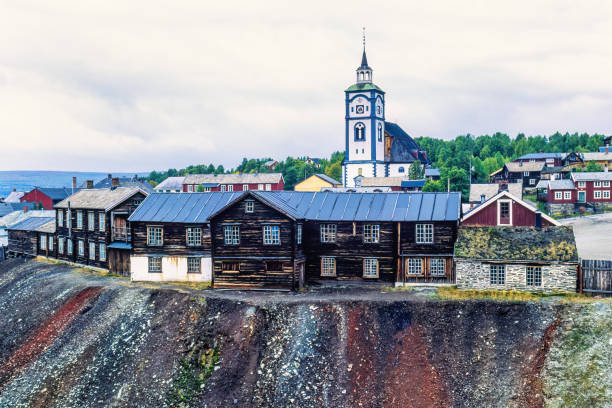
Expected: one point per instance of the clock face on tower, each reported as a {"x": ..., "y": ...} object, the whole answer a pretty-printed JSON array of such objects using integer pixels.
[{"x": 359, "y": 108}]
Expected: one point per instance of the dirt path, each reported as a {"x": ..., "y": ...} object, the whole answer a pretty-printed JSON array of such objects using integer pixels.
[{"x": 593, "y": 235}]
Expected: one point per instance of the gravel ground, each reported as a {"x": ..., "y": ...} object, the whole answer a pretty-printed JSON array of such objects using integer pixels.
[
  {"x": 593, "y": 235},
  {"x": 73, "y": 339}
]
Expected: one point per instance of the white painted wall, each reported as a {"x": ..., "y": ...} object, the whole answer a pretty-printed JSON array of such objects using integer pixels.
[{"x": 174, "y": 268}]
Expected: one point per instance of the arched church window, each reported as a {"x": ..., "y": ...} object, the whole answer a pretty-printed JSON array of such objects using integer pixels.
[
  {"x": 359, "y": 131},
  {"x": 400, "y": 170},
  {"x": 378, "y": 109},
  {"x": 379, "y": 131}
]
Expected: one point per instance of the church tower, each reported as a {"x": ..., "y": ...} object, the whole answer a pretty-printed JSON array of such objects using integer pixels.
[{"x": 364, "y": 127}]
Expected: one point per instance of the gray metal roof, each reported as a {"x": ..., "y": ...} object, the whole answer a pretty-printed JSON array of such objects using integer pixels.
[
  {"x": 245, "y": 178},
  {"x": 325, "y": 177},
  {"x": 561, "y": 185},
  {"x": 99, "y": 198},
  {"x": 589, "y": 176},
  {"x": 31, "y": 224},
  {"x": 171, "y": 183},
  {"x": 542, "y": 156},
  {"x": 319, "y": 206}
]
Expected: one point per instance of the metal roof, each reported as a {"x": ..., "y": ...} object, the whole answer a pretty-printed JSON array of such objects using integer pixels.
[
  {"x": 542, "y": 156},
  {"x": 515, "y": 167},
  {"x": 99, "y": 198},
  {"x": 55, "y": 193},
  {"x": 120, "y": 245},
  {"x": 321, "y": 206},
  {"x": 432, "y": 172},
  {"x": 593, "y": 175},
  {"x": 330, "y": 180},
  {"x": 7, "y": 208},
  {"x": 171, "y": 183},
  {"x": 246, "y": 178},
  {"x": 413, "y": 183},
  {"x": 491, "y": 189},
  {"x": 31, "y": 223},
  {"x": 561, "y": 185}
]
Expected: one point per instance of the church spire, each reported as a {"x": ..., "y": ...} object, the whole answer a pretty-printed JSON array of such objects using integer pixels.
[{"x": 364, "y": 72}]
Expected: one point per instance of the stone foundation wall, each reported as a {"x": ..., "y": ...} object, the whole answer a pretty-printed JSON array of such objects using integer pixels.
[
  {"x": 561, "y": 208},
  {"x": 476, "y": 275}
]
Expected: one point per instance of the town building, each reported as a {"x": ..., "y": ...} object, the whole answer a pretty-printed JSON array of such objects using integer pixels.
[
  {"x": 528, "y": 173},
  {"x": 47, "y": 197},
  {"x": 233, "y": 182},
  {"x": 14, "y": 196},
  {"x": 93, "y": 228},
  {"x": 393, "y": 183},
  {"x": 24, "y": 237},
  {"x": 582, "y": 190},
  {"x": 516, "y": 258},
  {"x": 507, "y": 210},
  {"x": 170, "y": 185},
  {"x": 374, "y": 147},
  {"x": 317, "y": 182},
  {"x": 480, "y": 193},
  {"x": 559, "y": 195},
  {"x": 593, "y": 187}
]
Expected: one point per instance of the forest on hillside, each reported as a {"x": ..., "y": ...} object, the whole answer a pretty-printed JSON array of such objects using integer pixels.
[{"x": 486, "y": 153}]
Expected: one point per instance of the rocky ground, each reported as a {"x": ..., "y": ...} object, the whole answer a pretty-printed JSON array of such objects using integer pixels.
[{"x": 73, "y": 339}]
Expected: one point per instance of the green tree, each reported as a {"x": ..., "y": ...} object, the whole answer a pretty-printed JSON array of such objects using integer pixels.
[
  {"x": 334, "y": 171},
  {"x": 593, "y": 166},
  {"x": 416, "y": 171}
]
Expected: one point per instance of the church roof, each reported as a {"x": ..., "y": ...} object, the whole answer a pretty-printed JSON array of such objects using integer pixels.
[
  {"x": 364, "y": 60},
  {"x": 404, "y": 149},
  {"x": 366, "y": 86}
]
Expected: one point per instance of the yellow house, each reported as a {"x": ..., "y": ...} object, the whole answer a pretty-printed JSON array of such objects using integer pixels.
[{"x": 316, "y": 182}]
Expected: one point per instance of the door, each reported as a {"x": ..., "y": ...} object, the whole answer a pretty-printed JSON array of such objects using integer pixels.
[
  {"x": 581, "y": 196},
  {"x": 302, "y": 278}
]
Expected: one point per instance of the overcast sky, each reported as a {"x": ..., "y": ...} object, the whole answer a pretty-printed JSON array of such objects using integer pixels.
[{"x": 142, "y": 85}]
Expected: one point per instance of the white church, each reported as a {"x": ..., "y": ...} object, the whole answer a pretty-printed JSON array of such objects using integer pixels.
[{"x": 374, "y": 147}]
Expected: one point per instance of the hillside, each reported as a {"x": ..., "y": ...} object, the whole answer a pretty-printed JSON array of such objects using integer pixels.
[{"x": 72, "y": 339}]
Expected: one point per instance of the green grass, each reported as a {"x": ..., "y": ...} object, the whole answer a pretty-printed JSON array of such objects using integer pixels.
[
  {"x": 191, "y": 377},
  {"x": 453, "y": 293}
]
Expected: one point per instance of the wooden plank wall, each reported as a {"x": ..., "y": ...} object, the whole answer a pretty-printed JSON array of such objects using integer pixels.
[
  {"x": 174, "y": 238},
  {"x": 597, "y": 277}
]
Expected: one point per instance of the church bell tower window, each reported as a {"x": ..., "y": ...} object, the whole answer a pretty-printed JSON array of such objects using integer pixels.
[
  {"x": 379, "y": 131},
  {"x": 359, "y": 131}
]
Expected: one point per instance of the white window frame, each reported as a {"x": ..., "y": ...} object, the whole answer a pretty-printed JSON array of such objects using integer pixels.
[
  {"x": 50, "y": 239},
  {"x": 190, "y": 188},
  {"x": 91, "y": 221},
  {"x": 414, "y": 266},
  {"x": 60, "y": 218},
  {"x": 249, "y": 206},
  {"x": 606, "y": 194},
  {"x": 567, "y": 195},
  {"x": 92, "y": 254},
  {"x": 605, "y": 183},
  {"x": 371, "y": 233},
  {"x": 230, "y": 187},
  {"x": 437, "y": 267},
  {"x": 298, "y": 238},
  {"x": 536, "y": 276},
  {"x": 231, "y": 234},
  {"x": 245, "y": 187},
  {"x": 424, "y": 234},
  {"x": 207, "y": 189},
  {"x": 526, "y": 173},
  {"x": 102, "y": 250},
  {"x": 60, "y": 245},
  {"x": 194, "y": 236},
  {"x": 597, "y": 194},
  {"x": 558, "y": 195},
  {"x": 328, "y": 233},
  {"x": 582, "y": 184},
  {"x": 497, "y": 274},
  {"x": 79, "y": 220},
  {"x": 68, "y": 246},
  {"x": 191, "y": 261},
  {"x": 102, "y": 221},
  {"x": 597, "y": 184},
  {"x": 43, "y": 241},
  {"x": 499, "y": 205},
  {"x": 155, "y": 235},
  {"x": 370, "y": 268},
  {"x": 260, "y": 187},
  {"x": 223, "y": 188},
  {"x": 271, "y": 234},
  {"x": 81, "y": 248},
  {"x": 154, "y": 264},
  {"x": 328, "y": 266},
  {"x": 531, "y": 182},
  {"x": 268, "y": 187}
]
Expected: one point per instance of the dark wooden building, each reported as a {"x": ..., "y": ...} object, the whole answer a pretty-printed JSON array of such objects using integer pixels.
[
  {"x": 527, "y": 172},
  {"x": 24, "y": 237},
  {"x": 92, "y": 227}
]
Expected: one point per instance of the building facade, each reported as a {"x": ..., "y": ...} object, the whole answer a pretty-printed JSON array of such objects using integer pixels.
[{"x": 206, "y": 183}]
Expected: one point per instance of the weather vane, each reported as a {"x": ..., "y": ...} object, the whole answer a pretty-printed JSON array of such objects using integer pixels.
[{"x": 363, "y": 37}]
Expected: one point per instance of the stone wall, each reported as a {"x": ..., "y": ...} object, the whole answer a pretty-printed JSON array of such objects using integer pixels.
[
  {"x": 563, "y": 209},
  {"x": 473, "y": 274}
]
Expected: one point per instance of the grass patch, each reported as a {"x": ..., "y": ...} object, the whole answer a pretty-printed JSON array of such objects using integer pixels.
[
  {"x": 190, "y": 285},
  {"x": 398, "y": 288},
  {"x": 191, "y": 377},
  {"x": 453, "y": 293}
]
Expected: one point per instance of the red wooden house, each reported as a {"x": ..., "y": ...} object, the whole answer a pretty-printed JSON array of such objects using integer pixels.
[
  {"x": 593, "y": 187},
  {"x": 47, "y": 197},
  {"x": 504, "y": 209},
  {"x": 234, "y": 182}
]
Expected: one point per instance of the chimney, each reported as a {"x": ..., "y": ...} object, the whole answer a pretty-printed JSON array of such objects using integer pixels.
[
  {"x": 483, "y": 198},
  {"x": 89, "y": 184},
  {"x": 607, "y": 148},
  {"x": 605, "y": 168},
  {"x": 14, "y": 190},
  {"x": 110, "y": 176},
  {"x": 538, "y": 219},
  {"x": 25, "y": 209},
  {"x": 74, "y": 186},
  {"x": 521, "y": 163},
  {"x": 115, "y": 182}
]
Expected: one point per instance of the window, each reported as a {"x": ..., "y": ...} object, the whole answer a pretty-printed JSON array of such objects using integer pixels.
[
  {"x": 437, "y": 267},
  {"x": 271, "y": 235},
  {"x": 504, "y": 212},
  {"x": 92, "y": 250},
  {"x": 401, "y": 170},
  {"x": 497, "y": 274},
  {"x": 69, "y": 246},
  {"x": 597, "y": 194},
  {"x": 378, "y": 109},
  {"x": 50, "y": 242},
  {"x": 360, "y": 171},
  {"x": 207, "y": 189},
  {"x": 194, "y": 236},
  {"x": 102, "y": 221},
  {"x": 223, "y": 187},
  {"x": 526, "y": 173},
  {"x": 328, "y": 232},
  {"x": 60, "y": 245},
  {"x": 155, "y": 264},
  {"x": 370, "y": 268},
  {"x": 91, "y": 221},
  {"x": 245, "y": 187},
  {"x": 249, "y": 206},
  {"x": 268, "y": 187},
  {"x": 359, "y": 108},
  {"x": 155, "y": 236},
  {"x": 260, "y": 187},
  {"x": 558, "y": 195},
  {"x": 415, "y": 266},
  {"x": 328, "y": 266},
  {"x": 81, "y": 248},
  {"x": 359, "y": 131},
  {"x": 136, "y": 203},
  {"x": 605, "y": 184},
  {"x": 43, "y": 241},
  {"x": 534, "y": 276},
  {"x": 79, "y": 219},
  {"x": 274, "y": 266},
  {"x": 102, "y": 252},
  {"x": 606, "y": 194},
  {"x": 231, "y": 234},
  {"x": 230, "y": 187},
  {"x": 531, "y": 182},
  {"x": 298, "y": 238},
  {"x": 60, "y": 218},
  {"x": 230, "y": 266},
  {"x": 379, "y": 132},
  {"x": 581, "y": 184},
  {"x": 597, "y": 184},
  {"x": 371, "y": 233},
  {"x": 567, "y": 195},
  {"x": 424, "y": 234},
  {"x": 190, "y": 188},
  {"x": 194, "y": 264}
]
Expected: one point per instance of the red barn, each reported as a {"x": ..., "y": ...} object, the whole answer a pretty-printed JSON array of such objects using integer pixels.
[
  {"x": 234, "y": 182},
  {"x": 46, "y": 197},
  {"x": 504, "y": 209}
]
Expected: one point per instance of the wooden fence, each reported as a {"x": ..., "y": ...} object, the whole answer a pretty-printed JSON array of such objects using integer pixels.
[{"x": 595, "y": 277}]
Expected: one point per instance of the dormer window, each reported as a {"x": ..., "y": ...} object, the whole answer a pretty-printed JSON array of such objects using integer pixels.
[{"x": 359, "y": 131}]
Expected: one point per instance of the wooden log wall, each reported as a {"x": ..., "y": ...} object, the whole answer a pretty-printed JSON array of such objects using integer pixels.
[
  {"x": 174, "y": 240},
  {"x": 597, "y": 277}
]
